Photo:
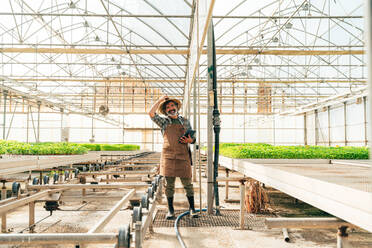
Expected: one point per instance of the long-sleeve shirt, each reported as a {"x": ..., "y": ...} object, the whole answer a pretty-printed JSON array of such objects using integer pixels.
[{"x": 163, "y": 122}]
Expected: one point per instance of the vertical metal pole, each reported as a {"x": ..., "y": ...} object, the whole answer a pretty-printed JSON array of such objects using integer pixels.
[
  {"x": 242, "y": 205},
  {"x": 210, "y": 171},
  {"x": 123, "y": 117},
  {"x": 5, "y": 93},
  {"x": 368, "y": 26},
  {"x": 329, "y": 125},
  {"x": 244, "y": 111},
  {"x": 199, "y": 134},
  {"x": 92, "y": 139},
  {"x": 152, "y": 126},
  {"x": 61, "y": 110},
  {"x": 365, "y": 120},
  {"x": 315, "y": 126},
  {"x": 28, "y": 122},
  {"x": 305, "y": 129},
  {"x": 227, "y": 185},
  {"x": 274, "y": 142},
  {"x": 342, "y": 237},
  {"x": 194, "y": 123},
  {"x": 38, "y": 122},
  {"x": 345, "y": 121}
]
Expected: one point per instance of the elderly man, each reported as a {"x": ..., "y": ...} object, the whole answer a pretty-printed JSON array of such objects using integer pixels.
[{"x": 175, "y": 157}]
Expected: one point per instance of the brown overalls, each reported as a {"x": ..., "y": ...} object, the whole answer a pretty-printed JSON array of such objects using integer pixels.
[{"x": 175, "y": 160}]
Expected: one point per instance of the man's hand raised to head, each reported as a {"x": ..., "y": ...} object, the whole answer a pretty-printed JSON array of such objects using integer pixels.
[
  {"x": 156, "y": 105},
  {"x": 163, "y": 98}
]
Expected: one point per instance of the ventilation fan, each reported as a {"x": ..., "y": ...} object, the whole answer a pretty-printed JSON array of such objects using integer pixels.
[{"x": 103, "y": 110}]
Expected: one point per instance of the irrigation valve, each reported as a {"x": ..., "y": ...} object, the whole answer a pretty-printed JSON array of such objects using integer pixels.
[{"x": 216, "y": 121}]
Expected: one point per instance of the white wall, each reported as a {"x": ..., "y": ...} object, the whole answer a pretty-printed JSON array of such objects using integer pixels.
[
  {"x": 331, "y": 125},
  {"x": 278, "y": 130}
]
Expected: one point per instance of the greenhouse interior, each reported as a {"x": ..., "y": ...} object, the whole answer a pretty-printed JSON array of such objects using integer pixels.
[{"x": 260, "y": 108}]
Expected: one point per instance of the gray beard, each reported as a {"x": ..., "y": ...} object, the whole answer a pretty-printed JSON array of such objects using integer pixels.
[{"x": 174, "y": 114}]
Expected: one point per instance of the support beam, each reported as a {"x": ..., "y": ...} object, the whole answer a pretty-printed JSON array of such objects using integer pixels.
[
  {"x": 345, "y": 123},
  {"x": 201, "y": 21},
  {"x": 98, "y": 173},
  {"x": 180, "y": 51},
  {"x": 86, "y": 186},
  {"x": 59, "y": 238},
  {"x": 106, "y": 219},
  {"x": 210, "y": 95},
  {"x": 242, "y": 206},
  {"x": 222, "y": 80},
  {"x": 19, "y": 203},
  {"x": 312, "y": 223},
  {"x": 5, "y": 94},
  {"x": 365, "y": 123},
  {"x": 329, "y": 124}
]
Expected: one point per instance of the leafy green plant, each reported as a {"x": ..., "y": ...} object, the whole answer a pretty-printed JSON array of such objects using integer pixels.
[
  {"x": 59, "y": 148},
  {"x": 119, "y": 147},
  {"x": 249, "y": 150}
]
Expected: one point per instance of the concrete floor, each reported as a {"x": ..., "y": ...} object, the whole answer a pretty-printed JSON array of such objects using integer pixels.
[
  {"x": 224, "y": 237},
  {"x": 79, "y": 218},
  {"x": 233, "y": 237}
]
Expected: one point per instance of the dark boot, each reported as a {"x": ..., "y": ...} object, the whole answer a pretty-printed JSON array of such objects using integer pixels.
[
  {"x": 170, "y": 214},
  {"x": 193, "y": 213}
]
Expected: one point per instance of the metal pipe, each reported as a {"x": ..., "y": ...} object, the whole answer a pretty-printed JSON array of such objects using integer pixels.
[
  {"x": 38, "y": 122},
  {"x": 210, "y": 126},
  {"x": 28, "y": 122},
  {"x": 5, "y": 93},
  {"x": 86, "y": 186},
  {"x": 103, "y": 222},
  {"x": 311, "y": 222},
  {"x": 194, "y": 124},
  {"x": 368, "y": 35},
  {"x": 242, "y": 205},
  {"x": 58, "y": 238},
  {"x": 342, "y": 238},
  {"x": 285, "y": 234},
  {"x": 216, "y": 126}
]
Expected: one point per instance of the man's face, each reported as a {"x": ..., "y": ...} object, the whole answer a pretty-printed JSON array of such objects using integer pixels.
[{"x": 171, "y": 109}]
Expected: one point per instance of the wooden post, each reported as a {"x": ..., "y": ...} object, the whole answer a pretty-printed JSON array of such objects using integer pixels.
[
  {"x": 242, "y": 205},
  {"x": 108, "y": 178},
  {"x": 31, "y": 216},
  {"x": 3, "y": 223},
  {"x": 3, "y": 192},
  {"x": 83, "y": 195}
]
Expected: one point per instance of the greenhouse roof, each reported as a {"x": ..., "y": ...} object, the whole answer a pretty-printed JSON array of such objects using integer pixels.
[{"x": 78, "y": 55}]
